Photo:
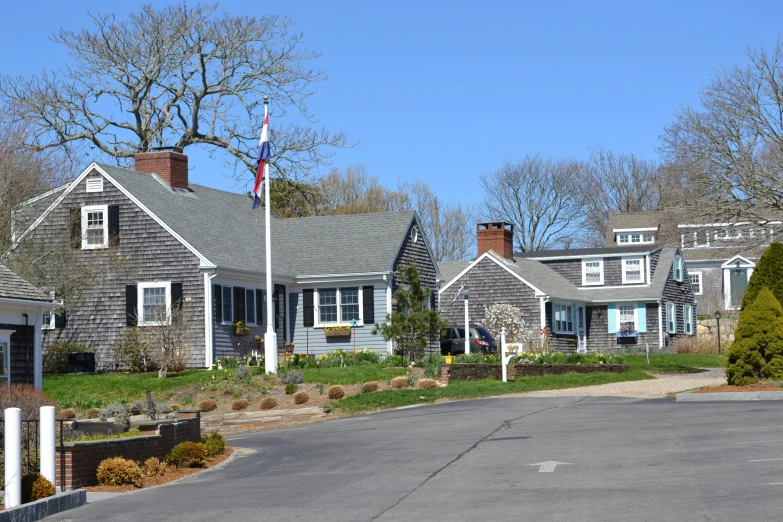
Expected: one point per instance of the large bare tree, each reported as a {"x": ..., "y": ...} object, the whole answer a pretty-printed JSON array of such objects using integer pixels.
[
  {"x": 733, "y": 141},
  {"x": 181, "y": 75},
  {"x": 355, "y": 191},
  {"x": 540, "y": 197}
]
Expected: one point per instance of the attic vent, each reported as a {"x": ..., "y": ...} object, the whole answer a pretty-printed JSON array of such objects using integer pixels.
[
  {"x": 95, "y": 185},
  {"x": 415, "y": 234}
]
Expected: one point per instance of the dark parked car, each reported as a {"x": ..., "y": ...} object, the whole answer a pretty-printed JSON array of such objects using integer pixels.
[{"x": 452, "y": 341}]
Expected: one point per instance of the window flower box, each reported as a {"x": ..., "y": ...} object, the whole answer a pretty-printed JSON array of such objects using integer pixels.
[
  {"x": 337, "y": 331},
  {"x": 627, "y": 334}
]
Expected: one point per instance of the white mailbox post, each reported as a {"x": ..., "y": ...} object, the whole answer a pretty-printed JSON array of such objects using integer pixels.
[{"x": 507, "y": 351}]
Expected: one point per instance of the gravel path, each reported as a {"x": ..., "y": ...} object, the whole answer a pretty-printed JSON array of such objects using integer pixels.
[{"x": 663, "y": 384}]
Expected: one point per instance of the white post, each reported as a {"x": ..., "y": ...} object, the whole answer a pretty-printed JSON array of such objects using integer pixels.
[
  {"x": 270, "y": 338},
  {"x": 13, "y": 457},
  {"x": 503, "y": 361},
  {"x": 48, "y": 444},
  {"x": 467, "y": 328}
]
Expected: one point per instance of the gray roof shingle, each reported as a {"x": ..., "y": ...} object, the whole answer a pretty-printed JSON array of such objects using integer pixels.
[{"x": 14, "y": 286}]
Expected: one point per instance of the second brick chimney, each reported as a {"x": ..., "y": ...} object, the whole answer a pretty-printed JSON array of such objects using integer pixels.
[
  {"x": 172, "y": 167},
  {"x": 498, "y": 236}
]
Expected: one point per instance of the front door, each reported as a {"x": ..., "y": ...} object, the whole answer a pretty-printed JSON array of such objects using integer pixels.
[{"x": 738, "y": 281}]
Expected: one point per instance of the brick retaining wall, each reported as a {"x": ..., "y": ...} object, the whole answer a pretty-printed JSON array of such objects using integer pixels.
[{"x": 156, "y": 440}]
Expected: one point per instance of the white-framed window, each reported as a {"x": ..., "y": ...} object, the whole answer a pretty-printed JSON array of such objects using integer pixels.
[
  {"x": 95, "y": 227},
  {"x": 339, "y": 306},
  {"x": 636, "y": 238},
  {"x": 679, "y": 268},
  {"x": 94, "y": 184},
  {"x": 228, "y": 305},
  {"x": 687, "y": 311},
  {"x": 626, "y": 317},
  {"x": 154, "y": 303},
  {"x": 633, "y": 270},
  {"x": 695, "y": 279},
  {"x": 250, "y": 306},
  {"x": 671, "y": 318},
  {"x": 592, "y": 272},
  {"x": 563, "y": 317},
  {"x": 47, "y": 322}
]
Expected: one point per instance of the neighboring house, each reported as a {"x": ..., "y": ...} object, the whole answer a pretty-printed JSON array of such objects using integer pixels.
[
  {"x": 203, "y": 249},
  {"x": 595, "y": 300},
  {"x": 720, "y": 256},
  {"x": 23, "y": 309}
]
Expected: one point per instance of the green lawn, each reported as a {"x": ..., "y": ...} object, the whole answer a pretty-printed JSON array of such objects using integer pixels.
[
  {"x": 350, "y": 375},
  {"x": 476, "y": 389},
  {"x": 675, "y": 362}
]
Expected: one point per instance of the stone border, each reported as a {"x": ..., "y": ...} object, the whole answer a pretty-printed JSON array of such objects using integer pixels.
[
  {"x": 729, "y": 396},
  {"x": 45, "y": 507}
]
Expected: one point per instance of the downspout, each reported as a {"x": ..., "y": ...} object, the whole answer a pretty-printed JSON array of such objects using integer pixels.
[{"x": 660, "y": 324}]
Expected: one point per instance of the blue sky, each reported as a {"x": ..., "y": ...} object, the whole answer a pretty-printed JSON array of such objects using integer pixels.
[{"x": 445, "y": 91}]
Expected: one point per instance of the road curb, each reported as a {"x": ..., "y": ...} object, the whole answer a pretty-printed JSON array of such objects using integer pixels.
[{"x": 729, "y": 396}]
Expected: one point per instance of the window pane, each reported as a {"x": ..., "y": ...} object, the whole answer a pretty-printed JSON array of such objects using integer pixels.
[
  {"x": 593, "y": 272},
  {"x": 633, "y": 270},
  {"x": 250, "y": 306},
  {"x": 623, "y": 238},
  {"x": 349, "y": 304},
  {"x": 228, "y": 294},
  {"x": 327, "y": 305},
  {"x": 154, "y": 304},
  {"x": 626, "y": 317},
  {"x": 94, "y": 232}
]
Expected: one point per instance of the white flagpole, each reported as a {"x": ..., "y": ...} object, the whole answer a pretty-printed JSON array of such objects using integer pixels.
[{"x": 270, "y": 338}]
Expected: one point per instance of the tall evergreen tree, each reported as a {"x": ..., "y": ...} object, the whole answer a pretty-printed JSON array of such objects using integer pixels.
[
  {"x": 757, "y": 351},
  {"x": 767, "y": 274}
]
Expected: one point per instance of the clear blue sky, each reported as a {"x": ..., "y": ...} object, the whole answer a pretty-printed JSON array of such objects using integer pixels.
[{"x": 444, "y": 91}]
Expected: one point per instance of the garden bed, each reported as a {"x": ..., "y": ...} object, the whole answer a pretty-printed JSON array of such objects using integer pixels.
[{"x": 728, "y": 388}]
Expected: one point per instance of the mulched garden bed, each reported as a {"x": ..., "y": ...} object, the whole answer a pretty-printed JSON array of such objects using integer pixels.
[
  {"x": 171, "y": 475},
  {"x": 758, "y": 387}
]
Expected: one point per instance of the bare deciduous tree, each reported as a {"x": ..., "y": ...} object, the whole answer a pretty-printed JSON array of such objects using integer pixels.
[
  {"x": 734, "y": 141},
  {"x": 168, "y": 340},
  {"x": 180, "y": 75},
  {"x": 540, "y": 197},
  {"x": 355, "y": 191}
]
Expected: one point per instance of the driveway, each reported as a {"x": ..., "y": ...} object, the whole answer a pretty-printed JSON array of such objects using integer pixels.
[{"x": 619, "y": 459}]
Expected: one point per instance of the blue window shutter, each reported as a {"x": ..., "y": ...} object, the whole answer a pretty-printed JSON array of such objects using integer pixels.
[
  {"x": 611, "y": 317},
  {"x": 665, "y": 316},
  {"x": 573, "y": 314},
  {"x": 641, "y": 317}
]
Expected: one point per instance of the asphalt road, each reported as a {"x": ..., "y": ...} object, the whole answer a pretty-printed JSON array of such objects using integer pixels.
[{"x": 628, "y": 460}]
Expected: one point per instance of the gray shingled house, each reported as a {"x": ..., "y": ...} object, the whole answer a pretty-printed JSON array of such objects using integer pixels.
[
  {"x": 203, "y": 249},
  {"x": 23, "y": 309},
  {"x": 595, "y": 300}
]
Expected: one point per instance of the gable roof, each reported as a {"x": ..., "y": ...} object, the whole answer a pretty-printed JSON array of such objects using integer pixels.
[{"x": 13, "y": 286}]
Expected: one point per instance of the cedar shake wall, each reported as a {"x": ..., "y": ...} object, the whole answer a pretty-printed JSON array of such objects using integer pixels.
[
  {"x": 712, "y": 297},
  {"x": 489, "y": 284},
  {"x": 571, "y": 270},
  {"x": 600, "y": 340},
  {"x": 150, "y": 253},
  {"x": 679, "y": 293}
]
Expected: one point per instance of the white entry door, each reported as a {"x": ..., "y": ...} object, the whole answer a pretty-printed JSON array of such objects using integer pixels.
[{"x": 581, "y": 330}]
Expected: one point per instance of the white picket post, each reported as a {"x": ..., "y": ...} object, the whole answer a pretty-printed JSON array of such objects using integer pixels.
[
  {"x": 13, "y": 457},
  {"x": 467, "y": 327},
  {"x": 503, "y": 360},
  {"x": 48, "y": 443}
]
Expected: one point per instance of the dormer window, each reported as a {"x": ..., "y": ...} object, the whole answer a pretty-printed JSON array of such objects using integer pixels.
[
  {"x": 635, "y": 238},
  {"x": 592, "y": 272},
  {"x": 632, "y": 270}
]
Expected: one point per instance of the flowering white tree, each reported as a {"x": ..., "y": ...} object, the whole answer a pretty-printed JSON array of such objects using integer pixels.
[{"x": 501, "y": 315}]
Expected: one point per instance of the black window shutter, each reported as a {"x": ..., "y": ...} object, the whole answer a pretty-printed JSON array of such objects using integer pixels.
[
  {"x": 176, "y": 296},
  {"x": 59, "y": 319},
  {"x": 131, "y": 302},
  {"x": 433, "y": 301},
  {"x": 76, "y": 227},
  {"x": 239, "y": 304},
  {"x": 309, "y": 309},
  {"x": 217, "y": 292},
  {"x": 368, "y": 304},
  {"x": 259, "y": 307},
  {"x": 114, "y": 225}
]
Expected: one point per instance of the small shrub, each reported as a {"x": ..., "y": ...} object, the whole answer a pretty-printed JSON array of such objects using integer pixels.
[
  {"x": 207, "y": 405},
  {"x": 118, "y": 412},
  {"x": 187, "y": 400},
  {"x": 132, "y": 353},
  {"x": 35, "y": 487},
  {"x": 387, "y": 380},
  {"x": 292, "y": 377},
  {"x": 400, "y": 382},
  {"x": 153, "y": 467},
  {"x": 93, "y": 413},
  {"x": 432, "y": 371},
  {"x": 241, "y": 404},
  {"x": 301, "y": 397},
  {"x": 371, "y": 386},
  {"x": 215, "y": 443},
  {"x": 188, "y": 455},
  {"x": 427, "y": 384},
  {"x": 290, "y": 388},
  {"x": 268, "y": 403},
  {"x": 321, "y": 388},
  {"x": 336, "y": 392},
  {"x": 396, "y": 360},
  {"x": 412, "y": 379},
  {"x": 117, "y": 471},
  {"x": 55, "y": 358},
  {"x": 27, "y": 398},
  {"x": 242, "y": 373},
  {"x": 137, "y": 408},
  {"x": 174, "y": 407},
  {"x": 68, "y": 414}
]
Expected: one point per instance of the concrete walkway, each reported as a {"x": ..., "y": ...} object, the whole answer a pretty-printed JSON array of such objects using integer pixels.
[{"x": 664, "y": 384}]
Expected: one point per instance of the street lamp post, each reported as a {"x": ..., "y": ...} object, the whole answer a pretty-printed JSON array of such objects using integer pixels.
[{"x": 717, "y": 318}]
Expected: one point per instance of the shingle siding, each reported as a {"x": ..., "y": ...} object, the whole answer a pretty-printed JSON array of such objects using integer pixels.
[
  {"x": 571, "y": 270},
  {"x": 150, "y": 252},
  {"x": 678, "y": 293}
]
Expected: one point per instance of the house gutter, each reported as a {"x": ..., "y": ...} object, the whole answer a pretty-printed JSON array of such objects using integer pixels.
[{"x": 31, "y": 303}]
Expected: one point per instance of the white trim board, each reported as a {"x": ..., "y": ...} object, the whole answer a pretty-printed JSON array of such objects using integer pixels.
[{"x": 744, "y": 262}]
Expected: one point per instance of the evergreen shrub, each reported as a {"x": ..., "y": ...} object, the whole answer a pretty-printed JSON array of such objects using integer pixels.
[{"x": 757, "y": 351}]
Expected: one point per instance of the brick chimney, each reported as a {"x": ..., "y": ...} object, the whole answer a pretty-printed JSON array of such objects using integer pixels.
[
  {"x": 498, "y": 236},
  {"x": 172, "y": 167}
]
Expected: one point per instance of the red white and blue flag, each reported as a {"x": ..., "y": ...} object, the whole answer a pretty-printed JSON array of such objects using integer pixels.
[{"x": 263, "y": 158}]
